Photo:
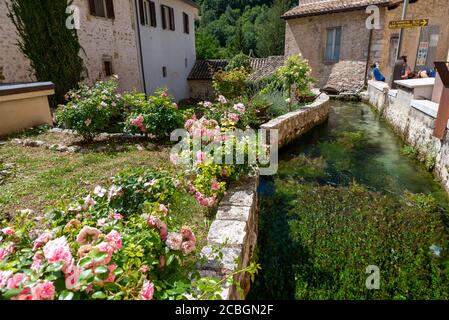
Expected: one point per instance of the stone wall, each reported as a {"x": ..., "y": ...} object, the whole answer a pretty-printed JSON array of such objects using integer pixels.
[
  {"x": 201, "y": 89},
  {"x": 101, "y": 39},
  {"x": 307, "y": 35},
  {"x": 234, "y": 233},
  {"x": 414, "y": 126},
  {"x": 296, "y": 123},
  {"x": 235, "y": 230}
]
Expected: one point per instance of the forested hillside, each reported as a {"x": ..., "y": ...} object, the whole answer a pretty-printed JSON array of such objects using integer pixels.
[{"x": 228, "y": 27}]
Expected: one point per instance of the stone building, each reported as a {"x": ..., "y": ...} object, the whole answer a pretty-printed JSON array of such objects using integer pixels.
[
  {"x": 120, "y": 37},
  {"x": 331, "y": 32}
]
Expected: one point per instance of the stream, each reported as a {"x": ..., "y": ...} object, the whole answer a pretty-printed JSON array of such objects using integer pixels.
[{"x": 348, "y": 197}]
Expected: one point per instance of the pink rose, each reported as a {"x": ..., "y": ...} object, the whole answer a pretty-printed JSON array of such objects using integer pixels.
[
  {"x": 174, "y": 241},
  {"x": 42, "y": 240},
  {"x": 117, "y": 216},
  {"x": 144, "y": 268},
  {"x": 187, "y": 247},
  {"x": 200, "y": 157},
  {"x": 115, "y": 239},
  {"x": 24, "y": 295},
  {"x": 163, "y": 231},
  {"x": 187, "y": 234},
  {"x": 111, "y": 276},
  {"x": 222, "y": 99},
  {"x": 43, "y": 291},
  {"x": 215, "y": 185},
  {"x": 163, "y": 209},
  {"x": 154, "y": 222},
  {"x": 58, "y": 251},
  {"x": 71, "y": 277},
  {"x": 8, "y": 231},
  {"x": 100, "y": 191},
  {"x": 105, "y": 247},
  {"x": 5, "y": 252},
  {"x": 89, "y": 202},
  {"x": 88, "y": 235},
  {"x": 174, "y": 159},
  {"x": 233, "y": 118},
  {"x": 240, "y": 107},
  {"x": 164, "y": 94},
  {"x": 38, "y": 261},
  {"x": 17, "y": 281},
  {"x": 4, "y": 277},
  {"x": 147, "y": 291}
]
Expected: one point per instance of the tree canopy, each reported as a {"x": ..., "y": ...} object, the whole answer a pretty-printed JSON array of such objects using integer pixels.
[{"x": 230, "y": 27}]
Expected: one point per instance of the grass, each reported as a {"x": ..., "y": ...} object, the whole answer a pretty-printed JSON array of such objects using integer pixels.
[
  {"x": 316, "y": 242},
  {"x": 43, "y": 178}
]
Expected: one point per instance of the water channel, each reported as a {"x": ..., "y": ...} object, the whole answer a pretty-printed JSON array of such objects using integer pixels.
[{"x": 351, "y": 216}]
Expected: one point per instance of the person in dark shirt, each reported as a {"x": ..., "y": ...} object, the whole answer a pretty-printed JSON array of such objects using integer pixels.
[
  {"x": 377, "y": 75},
  {"x": 406, "y": 72}
]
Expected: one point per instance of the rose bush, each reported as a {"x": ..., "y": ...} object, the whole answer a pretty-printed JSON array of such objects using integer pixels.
[
  {"x": 93, "y": 110},
  {"x": 90, "y": 250},
  {"x": 213, "y": 153},
  {"x": 158, "y": 116}
]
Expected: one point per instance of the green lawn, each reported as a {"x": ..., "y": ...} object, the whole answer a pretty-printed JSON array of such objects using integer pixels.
[{"x": 43, "y": 178}]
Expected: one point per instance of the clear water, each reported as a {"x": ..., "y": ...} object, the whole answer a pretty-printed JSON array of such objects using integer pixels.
[
  {"x": 321, "y": 157},
  {"x": 378, "y": 164}
]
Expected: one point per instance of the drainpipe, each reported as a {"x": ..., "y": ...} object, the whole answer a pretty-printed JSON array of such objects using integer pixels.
[
  {"x": 368, "y": 58},
  {"x": 140, "y": 47},
  {"x": 401, "y": 32}
]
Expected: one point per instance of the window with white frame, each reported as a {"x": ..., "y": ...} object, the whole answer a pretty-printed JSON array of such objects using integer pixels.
[
  {"x": 168, "y": 17},
  {"x": 147, "y": 11},
  {"x": 333, "y": 44}
]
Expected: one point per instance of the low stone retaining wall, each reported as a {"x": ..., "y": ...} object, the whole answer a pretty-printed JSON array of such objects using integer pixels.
[
  {"x": 296, "y": 123},
  {"x": 414, "y": 126},
  {"x": 234, "y": 233}
]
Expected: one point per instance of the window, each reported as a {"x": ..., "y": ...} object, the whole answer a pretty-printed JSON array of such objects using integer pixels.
[
  {"x": 186, "y": 21},
  {"x": 147, "y": 11},
  {"x": 186, "y": 63},
  {"x": 164, "y": 72},
  {"x": 102, "y": 8},
  {"x": 108, "y": 68},
  {"x": 168, "y": 18},
  {"x": 333, "y": 44}
]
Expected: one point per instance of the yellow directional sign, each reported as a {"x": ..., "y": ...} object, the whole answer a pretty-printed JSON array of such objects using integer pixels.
[{"x": 402, "y": 24}]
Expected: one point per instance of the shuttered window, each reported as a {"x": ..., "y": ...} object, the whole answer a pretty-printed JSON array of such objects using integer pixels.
[
  {"x": 147, "y": 11},
  {"x": 102, "y": 8},
  {"x": 185, "y": 18},
  {"x": 168, "y": 18}
]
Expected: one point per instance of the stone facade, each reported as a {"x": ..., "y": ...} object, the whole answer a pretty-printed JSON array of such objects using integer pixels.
[
  {"x": 413, "y": 126},
  {"x": 234, "y": 233},
  {"x": 307, "y": 35},
  {"x": 101, "y": 39},
  {"x": 296, "y": 123}
]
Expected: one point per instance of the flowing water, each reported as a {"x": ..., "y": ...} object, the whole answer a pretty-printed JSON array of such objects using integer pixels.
[{"x": 343, "y": 181}]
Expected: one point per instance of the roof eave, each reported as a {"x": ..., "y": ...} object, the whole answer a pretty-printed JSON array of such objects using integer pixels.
[
  {"x": 322, "y": 13},
  {"x": 192, "y": 3}
]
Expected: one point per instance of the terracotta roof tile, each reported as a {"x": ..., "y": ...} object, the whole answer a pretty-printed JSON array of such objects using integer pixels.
[
  {"x": 262, "y": 67},
  {"x": 318, "y": 7}
]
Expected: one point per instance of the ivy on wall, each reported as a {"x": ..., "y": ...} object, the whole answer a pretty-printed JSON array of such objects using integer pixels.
[{"x": 52, "y": 48}]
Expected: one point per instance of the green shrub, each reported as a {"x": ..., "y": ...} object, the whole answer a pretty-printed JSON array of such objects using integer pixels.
[
  {"x": 231, "y": 84},
  {"x": 158, "y": 116},
  {"x": 92, "y": 110},
  {"x": 240, "y": 60}
]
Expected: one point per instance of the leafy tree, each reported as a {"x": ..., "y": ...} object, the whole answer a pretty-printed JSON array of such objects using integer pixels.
[
  {"x": 208, "y": 47},
  {"x": 52, "y": 48}
]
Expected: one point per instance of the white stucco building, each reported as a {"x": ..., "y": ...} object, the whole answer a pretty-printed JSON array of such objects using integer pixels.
[
  {"x": 167, "y": 42},
  {"x": 148, "y": 44}
]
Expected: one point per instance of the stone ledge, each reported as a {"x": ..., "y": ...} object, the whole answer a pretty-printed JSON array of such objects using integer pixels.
[
  {"x": 296, "y": 123},
  {"x": 232, "y": 238}
]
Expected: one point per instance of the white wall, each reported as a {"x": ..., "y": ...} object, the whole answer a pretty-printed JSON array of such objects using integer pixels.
[{"x": 169, "y": 48}]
